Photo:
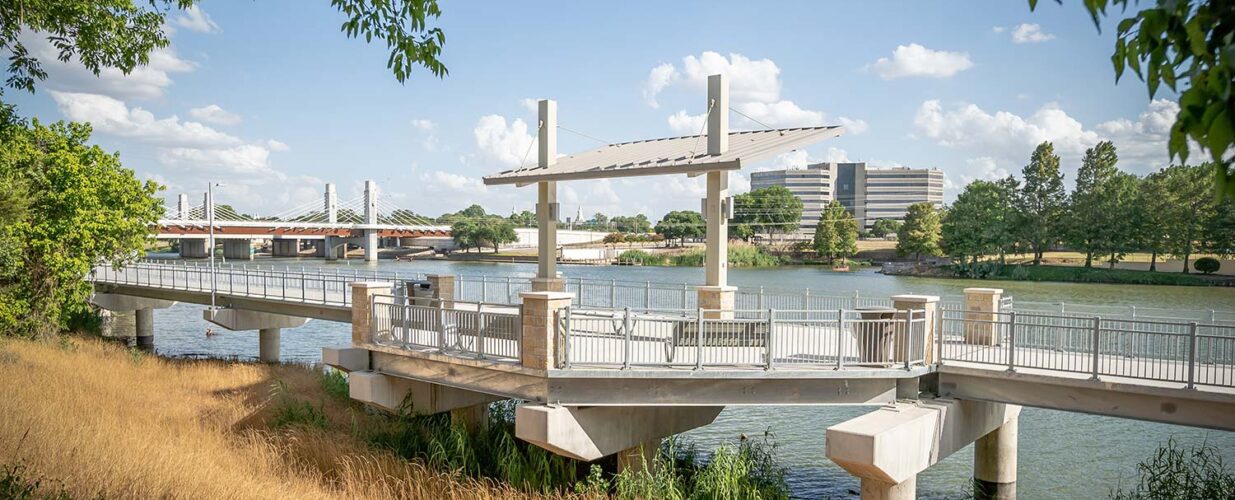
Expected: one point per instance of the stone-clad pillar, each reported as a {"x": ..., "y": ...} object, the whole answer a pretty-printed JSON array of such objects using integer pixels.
[
  {"x": 443, "y": 288},
  {"x": 981, "y": 313},
  {"x": 929, "y": 304},
  {"x": 994, "y": 463},
  {"x": 363, "y": 295},
  {"x": 540, "y": 350},
  {"x": 717, "y": 301}
]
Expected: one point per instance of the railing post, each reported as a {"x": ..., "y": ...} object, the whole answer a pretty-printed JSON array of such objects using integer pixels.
[
  {"x": 909, "y": 336},
  {"x": 508, "y": 297},
  {"x": 1011, "y": 340},
  {"x": 612, "y": 293},
  {"x": 1192, "y": 347},
  {"x": 806, "y": 300},
  {"x": 699, "y": 341},
  {"x": 626, "y": 325},
  {"x": 684, "y": 302},
  {"x": 566, "y": 336},
  {"x": 760, "y": 306},
  {"x": 771, "y": 337},
  {"x": 480, "y": 334},
  {"x": 855, "y": 298},
  {"x": 484, "y": 288},
  {"x": 647, "y": 294},
  {"x": 840, "y": 338},
  {"x": 1097, "y": 337}
]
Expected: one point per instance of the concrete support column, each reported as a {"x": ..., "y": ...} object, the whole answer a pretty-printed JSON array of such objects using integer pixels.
[
  {"x": 329, "y": 251},
  {"x": 193, "y": 249},
  {"x": 994, "y": 463},
  {"x": 639, "y": 458},
  {"x": 363, "y": 295},
  {"x": 717, "y": 301},
  {"x": 716, "y": 258},
  {"x": 919, "y": 343},
  {"x": 145, "y": 329},
  {"x": 238, "y": 249},
  {"x": 470, "y": 417},
  {"x": 873, "y": 489},
  {"x": 285, "y": 248},
  {"x": 443, "y": 288},
  {"x": 539, "y": 348},
  {"x": 319, "y": 247},
  {"x": 981, "y": 310},
  {"x": 268, "y": 345},
  {"x": 371, "y": 245}
]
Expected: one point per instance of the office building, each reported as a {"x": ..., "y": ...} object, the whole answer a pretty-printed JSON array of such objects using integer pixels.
[{"x": 866, "y": 192}]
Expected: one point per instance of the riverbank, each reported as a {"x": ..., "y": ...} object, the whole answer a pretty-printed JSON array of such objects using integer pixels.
[
  {"x": 89, "y": 419},
  {"x": 1062, "y": 274}
]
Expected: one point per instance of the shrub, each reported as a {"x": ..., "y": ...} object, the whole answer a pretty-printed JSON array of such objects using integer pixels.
[
  {"x": 642, "y": 258},
  {"x": 1174, "y": 472},
  {"x": 1207, "y": 265}
]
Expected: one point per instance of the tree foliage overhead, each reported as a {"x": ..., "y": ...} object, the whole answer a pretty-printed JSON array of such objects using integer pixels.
[
  {"x": 121, "y": 33},
  {"x": 1190, "y": 46},
  {"x": 81, "y": 209}
]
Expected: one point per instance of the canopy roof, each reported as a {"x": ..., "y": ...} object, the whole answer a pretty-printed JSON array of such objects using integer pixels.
[{"x": 674, "y": 155}]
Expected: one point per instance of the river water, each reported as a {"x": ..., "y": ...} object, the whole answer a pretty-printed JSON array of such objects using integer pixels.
[{"x": 1062, "y": 455}]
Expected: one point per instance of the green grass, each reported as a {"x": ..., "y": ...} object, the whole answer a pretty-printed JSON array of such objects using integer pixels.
[
  {"x": 739, "y": 256},
  {"x": 295, "y": 412},
  {"x": 16, "y": 484},
  {"x": 1173, "y": 472}
]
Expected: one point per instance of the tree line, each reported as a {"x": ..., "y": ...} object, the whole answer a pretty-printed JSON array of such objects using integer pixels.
[{"x": 1109, "y": 214}]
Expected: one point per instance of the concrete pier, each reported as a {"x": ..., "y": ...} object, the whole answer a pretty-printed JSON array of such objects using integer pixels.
[
  {"x": 268, "y": 345},
  {"x": 994, "y": 463},
  {"x": 396, "y": 394},
  {"x": 592, "y": 432},
  {"x": 145, "y": 329},
  {"x": 238, "y": 249},
  {"x": 285, "y": 247},
  {"x": 193, "y": 249}
]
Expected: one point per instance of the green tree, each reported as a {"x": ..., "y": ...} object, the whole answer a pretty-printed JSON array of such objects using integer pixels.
[
  {"x": 884, "y": 227},
  {"x": 980, "y": 222},
  {"x": 1220, "y": 230},
  {"x": 1189, "y": 189},
  {"x": 921, "y": 232},
  {"x": 121, "y": 33},
  {"x": 1089, "y": 214},
  {"x": 494, "y": 232},
  {"x": 768, "y": 210},
  {"x": 1153, "y": 210},
  {"x": 1184, "y": 44},
  {"x": 523, "y": 219},
  {"x": 836, "y": 234},
  {"x": 463, "y": 233},
  {"x": 81, "y": 209},
  {"x": 1119, "y": 232},
  {"x": 1042, "y": 201},
  {"x": 637, "y": 223},
  {"x": 681, "y": 224},
  {"x": 741, "y": 231},
  {"x": 600, "y": 222}
]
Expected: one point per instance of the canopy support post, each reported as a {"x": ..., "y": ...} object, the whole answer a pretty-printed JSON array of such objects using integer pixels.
[{"x": 547, "y": 279}]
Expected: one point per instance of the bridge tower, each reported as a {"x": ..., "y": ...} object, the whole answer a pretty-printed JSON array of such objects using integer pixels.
[
  {"x": 370, "y": 218},
  {"x": 332, "y": 216}
]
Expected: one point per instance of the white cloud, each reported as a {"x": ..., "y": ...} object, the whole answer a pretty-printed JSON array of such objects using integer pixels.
[
  {"x": 659, "y": 78},
  {"x": 144, "y": 82},
  {"x": 215, "y": 114},
  {"x": 427, "y": 131},
  {"x": 502, "y": 144},
  {"x": 1030, "y": 33},
  {"x": 966, "y": 126},
  {"x": 196, "y": 19},
  {"x": 455, "y": 183},
  {"x": 1003, "y": 141},
  {"x": 916, "y": 60},
  {"x": 532, "y": 105},
  {"x": 112, "y": 116},
  {"x": 274, "y": 145},
  {"x": 998, "y": 29},
  {"x": 755, "y": 90},
  {"x": 244, "y": 159}
]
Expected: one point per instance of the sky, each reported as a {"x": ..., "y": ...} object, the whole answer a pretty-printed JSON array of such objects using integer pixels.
[{"x": 272, "y": 100}]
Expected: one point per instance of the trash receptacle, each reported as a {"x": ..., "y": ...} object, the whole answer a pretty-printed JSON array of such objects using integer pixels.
[
  {"x": 421, "y": 293},
  {"x": 874, "y": 335}
]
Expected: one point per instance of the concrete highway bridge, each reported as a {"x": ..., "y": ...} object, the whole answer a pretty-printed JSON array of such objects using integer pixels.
[
  {"x": 611, "y": 368},
  {"x": 325, "y": 229}
]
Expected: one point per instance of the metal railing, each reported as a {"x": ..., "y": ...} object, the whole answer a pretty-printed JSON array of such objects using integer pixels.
[
  {"x": 1189, "y": 352},
  {"x": 1132, "y": 312},
  {"x": 248, "y": 281},
  {"x": 768, "y": 339},
  {"x": 460, "y": 329}
]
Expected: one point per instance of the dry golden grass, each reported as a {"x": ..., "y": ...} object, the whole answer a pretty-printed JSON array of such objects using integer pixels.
[{"x": 97, "y": 421}]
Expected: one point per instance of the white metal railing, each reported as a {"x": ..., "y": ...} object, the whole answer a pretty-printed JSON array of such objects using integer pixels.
[
  {"x": 460, "y": 329},
  {"x": 1131, "y": 312},
  {"x": 770, "y": 338},
  {"x": 1185, "y": 352},
  {"x": 279, "y": 284}
]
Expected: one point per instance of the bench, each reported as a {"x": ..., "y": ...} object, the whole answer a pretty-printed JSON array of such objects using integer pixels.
[{"x": 722, "y": 333}]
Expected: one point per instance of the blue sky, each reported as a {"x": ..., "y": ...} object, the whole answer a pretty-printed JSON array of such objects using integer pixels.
[{"x": 270, "y": 98}]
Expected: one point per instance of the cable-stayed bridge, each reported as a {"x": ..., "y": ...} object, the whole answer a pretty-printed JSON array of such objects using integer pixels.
[{"x": 328, "y": 226}]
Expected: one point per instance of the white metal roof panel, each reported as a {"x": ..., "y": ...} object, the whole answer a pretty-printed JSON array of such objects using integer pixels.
[{"x": 674, "y": 155}]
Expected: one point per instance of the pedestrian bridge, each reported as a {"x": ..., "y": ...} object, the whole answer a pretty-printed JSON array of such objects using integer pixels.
[{"x": 609, "y": 366}]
